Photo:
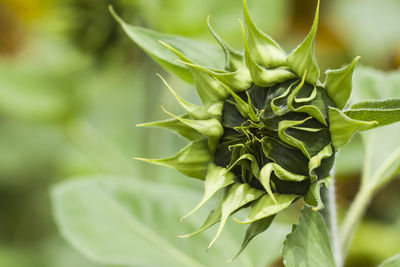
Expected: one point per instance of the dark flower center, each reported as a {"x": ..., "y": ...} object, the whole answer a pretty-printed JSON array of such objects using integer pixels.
[{"x": 262, "y": 141}]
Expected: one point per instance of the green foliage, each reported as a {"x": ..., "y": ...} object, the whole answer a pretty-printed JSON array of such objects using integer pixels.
[
  {"x": 308, "y": 245},
  {"x": 392, "y": 262},
  {"x": 382, "y": 154},
  {"x": 129, "y": 215}
]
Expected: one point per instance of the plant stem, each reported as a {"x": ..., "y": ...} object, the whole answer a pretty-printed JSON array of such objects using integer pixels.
[
  {"x": 353, "y": 217},
  {"x": 330, "y": 215}
]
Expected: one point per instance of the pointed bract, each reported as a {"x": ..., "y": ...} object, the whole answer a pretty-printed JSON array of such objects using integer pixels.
[
  {"x": 176, "y": 126},
  {"x": 236, "y": 197},
  {"x": 253, "y": 230},
  {"x": 342, "y": 127},
  {"x": 196, "y": 112},
  {"x": 260, "y": 75},
  {"x": 192, "y": 160},
  {"x": 217, "y": 178},
  {"x": 210, "y": 128},
  {"x": 208, "y": 88},
  {"x": 303, "y": 57},
  {"x": 265, "y": 207},
  {"x": 339, "y": 83},
  {"x": 234, "y": 59},
  {"x": 265, "y": 51}
]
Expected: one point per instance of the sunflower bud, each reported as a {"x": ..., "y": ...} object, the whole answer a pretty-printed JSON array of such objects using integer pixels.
[{"x": 269, "y": 129}]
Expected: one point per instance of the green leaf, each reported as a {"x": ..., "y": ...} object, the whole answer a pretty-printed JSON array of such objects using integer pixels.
[
  {"x": 302, "y": 59},
  {"x": 382, "y": 145},
  {"x": 383, "y": 111},
  {"x": 392, "y": 262},
  {"x": 148, "y": 40},
  {"x": 342, "y": 128},
  {"x": 308, "y": 244},
  {"x": 339, "y": 84},
  {"x": 121, "y": 221},
  {"x": 192, "y": 160}
]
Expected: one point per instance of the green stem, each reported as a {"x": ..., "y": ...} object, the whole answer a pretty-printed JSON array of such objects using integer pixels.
[
  {"x": 330, "y": 216},
  {"x": 353, "y": 217}
]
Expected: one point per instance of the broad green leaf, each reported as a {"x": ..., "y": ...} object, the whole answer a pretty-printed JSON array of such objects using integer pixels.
[
  {"x": 192, "y": 160},
  {"x": 196, "y": 50},
  {"x": 122, "y": 221},
  {"x": 392, "y": 262},
  {"x": 302, "y": 59},
  {"x": 383, "y": 111},
  {"x": 308, "y": 245},
  {"x": 342, "y": 128},
  {"x": 382, "y": 145},
  {"x": 339, "y": 84}
]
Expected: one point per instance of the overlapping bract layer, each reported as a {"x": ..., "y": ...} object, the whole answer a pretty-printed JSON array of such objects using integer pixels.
[{"x": 268, "y": 129}]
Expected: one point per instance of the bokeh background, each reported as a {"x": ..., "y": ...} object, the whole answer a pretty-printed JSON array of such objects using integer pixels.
[{"x": 73, "y": 87}]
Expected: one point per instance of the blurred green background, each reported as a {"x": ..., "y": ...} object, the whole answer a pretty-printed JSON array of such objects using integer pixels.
[{"x": 73, "y": 87}]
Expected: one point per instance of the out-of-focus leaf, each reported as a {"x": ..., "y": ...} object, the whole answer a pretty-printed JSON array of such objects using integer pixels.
[
  {"x": 117, "y": 221},
  {"x": 382, "y": 145},
  {"x": 392, "y": 262},
  {"x": 198, "y": 51},
  {"x": 383, "y": 111},
  {"x": 309, "y": 243},
  {"x": 368, "y": 27}
]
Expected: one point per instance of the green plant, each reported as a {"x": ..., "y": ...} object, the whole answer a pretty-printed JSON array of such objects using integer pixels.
[{"x": 267, "y": 135}]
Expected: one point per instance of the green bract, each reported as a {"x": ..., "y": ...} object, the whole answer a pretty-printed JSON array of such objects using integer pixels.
[{"x": 268, "y": 130}]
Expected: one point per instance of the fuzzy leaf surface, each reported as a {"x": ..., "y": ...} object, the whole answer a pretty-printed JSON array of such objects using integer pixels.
[
  {"x": 381, "y": 145},
  {"x": 122, "y": 221},
  {"x": 308, "y": 245}
]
